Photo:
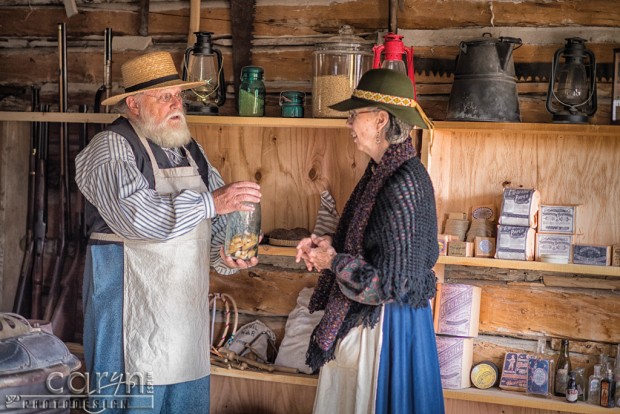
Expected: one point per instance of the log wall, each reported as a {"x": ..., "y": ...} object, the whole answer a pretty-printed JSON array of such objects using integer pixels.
[{"x": 285, "y": 35}]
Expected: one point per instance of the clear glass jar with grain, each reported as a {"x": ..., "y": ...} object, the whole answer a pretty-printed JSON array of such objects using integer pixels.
[{"x": 339, "y": 63}]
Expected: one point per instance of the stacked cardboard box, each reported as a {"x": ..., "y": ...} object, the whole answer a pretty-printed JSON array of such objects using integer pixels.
[
  {"x": 517, "y": 224},
  {"x": 456, "y": 320},
  {"x": 555, "y": 233}
]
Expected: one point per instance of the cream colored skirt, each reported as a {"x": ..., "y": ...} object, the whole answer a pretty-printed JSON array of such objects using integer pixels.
[{"x": 348, "y": 384}]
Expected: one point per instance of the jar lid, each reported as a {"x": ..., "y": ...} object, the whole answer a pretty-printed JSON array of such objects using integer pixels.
[
  {"x": 252, "y": 71},
  {"x": 346, "y": 40},
  {"x": 292, "y": 97}
]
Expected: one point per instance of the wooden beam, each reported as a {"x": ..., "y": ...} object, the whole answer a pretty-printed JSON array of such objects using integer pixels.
[{"x": 194, "y": 21}]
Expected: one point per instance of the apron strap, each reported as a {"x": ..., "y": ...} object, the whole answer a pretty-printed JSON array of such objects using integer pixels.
[{"x": 111, "y": 237}]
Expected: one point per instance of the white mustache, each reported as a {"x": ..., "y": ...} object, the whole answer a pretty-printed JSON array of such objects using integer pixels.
[{"x": 176, "y": 113}]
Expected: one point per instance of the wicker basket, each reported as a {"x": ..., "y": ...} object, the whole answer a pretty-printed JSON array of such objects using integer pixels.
[{"x": 282, "y": 242}]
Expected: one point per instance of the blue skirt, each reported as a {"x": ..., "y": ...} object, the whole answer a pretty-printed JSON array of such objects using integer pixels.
[{"x": 408, "y": 379}]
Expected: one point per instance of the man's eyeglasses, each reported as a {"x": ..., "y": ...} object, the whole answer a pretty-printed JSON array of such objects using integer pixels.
[
  {"x": 165, "y": 98},
  {"x": 353, "y": 115}
]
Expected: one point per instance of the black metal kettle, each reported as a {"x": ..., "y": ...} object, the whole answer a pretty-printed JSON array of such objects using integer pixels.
[{"x": 484, "y": 87}]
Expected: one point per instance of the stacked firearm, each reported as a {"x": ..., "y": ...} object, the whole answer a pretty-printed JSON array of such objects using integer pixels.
[{"x": 52, "y": 295}]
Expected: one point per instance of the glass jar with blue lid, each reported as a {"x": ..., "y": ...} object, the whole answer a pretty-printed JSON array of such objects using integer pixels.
[{"x": 292, "y": 104}]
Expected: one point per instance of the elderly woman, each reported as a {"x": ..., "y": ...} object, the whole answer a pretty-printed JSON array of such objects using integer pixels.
[{"x": 375, "y": 344}]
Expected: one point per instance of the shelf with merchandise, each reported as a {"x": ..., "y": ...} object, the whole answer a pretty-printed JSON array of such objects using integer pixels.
[
  {"x": 493, "y": 396},
  {"x": 104, "y": 118},
  {"x": 611, "y": 271},
  {"x": 497, "y": 396}
]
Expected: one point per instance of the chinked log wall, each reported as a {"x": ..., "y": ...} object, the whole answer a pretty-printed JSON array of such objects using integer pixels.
[{"x": 285, "y": 34}]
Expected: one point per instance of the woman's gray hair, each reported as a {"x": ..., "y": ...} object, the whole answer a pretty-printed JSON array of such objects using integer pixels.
[{"x": 397, "y": 130}]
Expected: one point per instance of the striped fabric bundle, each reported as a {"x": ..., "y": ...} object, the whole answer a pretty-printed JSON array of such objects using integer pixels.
[{"x": 327, "y": 217}]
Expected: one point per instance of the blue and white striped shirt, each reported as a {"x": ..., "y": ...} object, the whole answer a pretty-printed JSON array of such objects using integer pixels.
[{"x": 108, "y": 177}]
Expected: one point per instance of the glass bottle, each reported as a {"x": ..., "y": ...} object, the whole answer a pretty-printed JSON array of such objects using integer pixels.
[
  {"x": 562, "y": 370},
  {"x": 603, "y": 360},
  {"x": 608, "y": 390},
  {"x": 540, "y": 371},
  {"x": 252, "y": 92},
  {"x": 339, "y": 63},
  {"x": 594, "y": 386},
  {"x": 580, "y": 379},
  {"x": 571, "y": 391},
  {"x": 243, "y": 233}
]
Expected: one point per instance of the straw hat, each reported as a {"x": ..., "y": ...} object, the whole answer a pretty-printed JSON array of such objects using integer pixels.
[
  {"x": 390, "y": 90},
  {"x": 149, "y": 72}
]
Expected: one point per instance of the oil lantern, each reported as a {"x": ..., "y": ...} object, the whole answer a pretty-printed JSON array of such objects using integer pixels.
[
  {"x": 572, "y": 86},
  {"x": 339, "y": 63},
  {"x": 395, "y": 56},
  {"x": 203, "y": 62}
]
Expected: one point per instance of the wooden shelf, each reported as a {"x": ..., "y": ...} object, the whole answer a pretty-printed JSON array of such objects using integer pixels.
[
  {"x": 93, "y": 118},
  {"x": 611, "y": 271},
  {"x": 517, "y": 399},
  {"x": 530, "y": 265},
  {"x": 490, "y": 396},
  {"x": 550, "y": 128},
  {"x": 283, "y": 378},
  {"x": 74, "y": 117},
  {"x": 269, "y": 250}
]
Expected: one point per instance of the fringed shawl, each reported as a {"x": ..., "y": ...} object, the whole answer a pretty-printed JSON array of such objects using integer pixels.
[{"x": 341, "y": 313}]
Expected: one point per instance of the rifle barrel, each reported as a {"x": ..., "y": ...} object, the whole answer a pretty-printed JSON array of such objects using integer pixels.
[{"x": 107, "y": 64}]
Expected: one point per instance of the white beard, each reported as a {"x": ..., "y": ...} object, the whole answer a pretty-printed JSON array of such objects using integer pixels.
[{"x": 163, "y": 135}]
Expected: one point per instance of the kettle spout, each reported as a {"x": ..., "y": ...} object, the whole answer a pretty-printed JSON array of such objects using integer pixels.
[{"x": 505, "y": 47}]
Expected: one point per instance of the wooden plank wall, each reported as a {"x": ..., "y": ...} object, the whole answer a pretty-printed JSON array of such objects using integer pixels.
[
  {"x": 285, "y": 34},
  {"x": 292, "y": 165}
]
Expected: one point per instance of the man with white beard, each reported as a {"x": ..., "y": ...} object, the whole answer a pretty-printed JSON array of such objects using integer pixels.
[{"x": 155, "y": 218}]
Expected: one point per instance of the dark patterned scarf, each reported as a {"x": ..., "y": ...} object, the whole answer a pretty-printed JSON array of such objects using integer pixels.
[{"x": 341, "y": 313}]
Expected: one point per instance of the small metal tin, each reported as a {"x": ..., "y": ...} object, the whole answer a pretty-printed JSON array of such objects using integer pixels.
[{"x": 484, "y": 375}]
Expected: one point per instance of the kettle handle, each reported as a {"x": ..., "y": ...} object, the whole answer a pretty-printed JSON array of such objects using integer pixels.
[
  {"x": 514, "y": 40},
  {"x": 517, "y": 41}
]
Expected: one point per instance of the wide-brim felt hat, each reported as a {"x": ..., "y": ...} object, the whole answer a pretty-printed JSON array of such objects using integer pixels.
[
  {"x": 149, "y": 72},
  {"x": 390, "y": 90}
]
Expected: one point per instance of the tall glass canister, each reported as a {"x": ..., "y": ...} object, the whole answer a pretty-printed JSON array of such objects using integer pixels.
[{"x": 339, "y": 63}]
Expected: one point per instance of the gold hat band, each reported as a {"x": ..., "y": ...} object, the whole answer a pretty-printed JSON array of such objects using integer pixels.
[
  {"x": 387, "y": 99},
  {"x": 392, "y": 100}
]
